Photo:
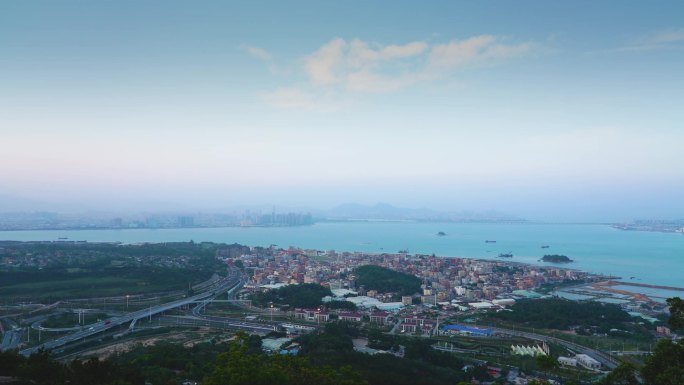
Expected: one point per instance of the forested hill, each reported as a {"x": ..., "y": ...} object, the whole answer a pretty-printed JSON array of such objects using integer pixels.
[
  {"x": 386, "y": 280},
  {"x": 561, "y": 314}
]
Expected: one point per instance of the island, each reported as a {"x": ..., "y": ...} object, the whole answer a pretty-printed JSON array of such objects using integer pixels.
[
  {"x": 556, "y": 258},
  {"x": 441, "y": 234}
]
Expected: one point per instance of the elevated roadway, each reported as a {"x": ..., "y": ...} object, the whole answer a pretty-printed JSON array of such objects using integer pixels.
[{"x": 224, "y": 285}]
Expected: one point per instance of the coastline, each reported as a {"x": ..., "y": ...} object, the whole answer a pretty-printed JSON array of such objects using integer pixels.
[
  {"x": 582, "y": 285},
  {"x": 599, "y": 249}
]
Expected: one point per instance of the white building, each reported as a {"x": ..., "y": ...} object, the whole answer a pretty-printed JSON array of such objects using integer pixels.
[
  {"x": 567, "y": 361},
  {"x": 588, "y": 362},
  {"x": 504, "y": 302},
  {"x": 481, "y": 305},
  {"x": 529, "y": 350}
]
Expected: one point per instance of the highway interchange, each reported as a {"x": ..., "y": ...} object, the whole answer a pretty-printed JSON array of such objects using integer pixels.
[{"x": 231, "y": 284}]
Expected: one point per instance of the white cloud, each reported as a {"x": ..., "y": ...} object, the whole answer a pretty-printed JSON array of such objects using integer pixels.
[
  {"x": 362, "y": 54},
  {"x": 371, "y": 82},
  {"x": 457, "y": 53},
  {"x": 322, "y": 65},
  {"x": 259, "y": 53},
  {"x": 360, "y": 66},
  {"x": 479, "y": 49},
  {"x": 673, "y": 36},
  {"x": 664, "y": 39},
  {"x": 338, "y": 60},
  {"x": 370, "y": 67}
]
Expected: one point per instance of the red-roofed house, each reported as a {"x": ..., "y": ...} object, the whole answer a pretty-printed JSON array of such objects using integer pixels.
[
  {"x": 350, "y": 316},
  {"x": 379, "y": 317},
  {"x": 317, "y": 315}
]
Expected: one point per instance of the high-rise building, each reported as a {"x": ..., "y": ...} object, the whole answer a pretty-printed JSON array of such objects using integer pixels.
[{"x": 186, "y": 221}]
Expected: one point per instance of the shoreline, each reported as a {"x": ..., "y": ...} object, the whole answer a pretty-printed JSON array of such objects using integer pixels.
[
  {"x": 499, "y": 261},
  {"x": 600, "y": 282},
  {"x": 597, "y": 249}
]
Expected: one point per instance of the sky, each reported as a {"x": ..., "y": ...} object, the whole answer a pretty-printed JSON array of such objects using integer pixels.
[{"x": 567, "y": 111}]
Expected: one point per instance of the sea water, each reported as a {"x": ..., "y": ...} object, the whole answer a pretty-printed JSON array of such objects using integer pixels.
[{"x": 640, "y": 257}]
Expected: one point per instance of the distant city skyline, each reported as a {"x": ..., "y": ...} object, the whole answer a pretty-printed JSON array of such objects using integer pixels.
[{"x": 547, "y": 111}]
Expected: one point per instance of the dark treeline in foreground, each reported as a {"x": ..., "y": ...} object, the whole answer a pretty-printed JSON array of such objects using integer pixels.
[
  {"x": 324, "y": 358},
  {"x": 41, "y": 369}
]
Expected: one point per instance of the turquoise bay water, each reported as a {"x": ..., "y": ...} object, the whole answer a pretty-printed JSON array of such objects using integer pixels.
[{"x": 654, "y": 258}]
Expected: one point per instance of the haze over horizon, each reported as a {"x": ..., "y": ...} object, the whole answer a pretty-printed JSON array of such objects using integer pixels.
[{"x": 547, "y": 111}]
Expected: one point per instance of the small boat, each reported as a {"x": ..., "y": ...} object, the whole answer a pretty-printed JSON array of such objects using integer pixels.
[
  {"x": 441, "y": 234},
  {"x": 545, "y": 246},
  {"x": 63, "y": 238},
  {"x": 488, "y": 241},
  {"x": 506, "y": 255}
]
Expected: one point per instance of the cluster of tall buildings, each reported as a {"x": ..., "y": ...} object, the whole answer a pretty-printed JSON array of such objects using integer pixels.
[{"x": 58, "y": 221}]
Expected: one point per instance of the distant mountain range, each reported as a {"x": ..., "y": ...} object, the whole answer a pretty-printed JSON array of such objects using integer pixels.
[{"x": 385, "y": 211}]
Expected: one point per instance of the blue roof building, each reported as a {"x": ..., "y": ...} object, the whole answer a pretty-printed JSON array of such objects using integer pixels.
[{"x": 467, "y": 330}]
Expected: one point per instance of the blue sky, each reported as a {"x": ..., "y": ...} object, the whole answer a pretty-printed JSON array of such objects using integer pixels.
[{"x": 550, "y": 110}]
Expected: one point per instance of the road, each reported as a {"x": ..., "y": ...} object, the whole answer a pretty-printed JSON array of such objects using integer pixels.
[
  {"x": 231, "y": 294},
  {"x": 12, "y": 336},
  {"x": 230, "y": 282},
  {"x": 221, "y": 323},
  {"x": 11, "y": 339}
]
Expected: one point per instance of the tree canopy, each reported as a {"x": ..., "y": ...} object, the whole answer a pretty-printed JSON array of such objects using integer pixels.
[
  {"x": 664, "y": 367},
  {"x": 676, "y": 320},
  {"x": 41, "y": 369},
  {"x": 386, "y": 280},
  {"x": 561, "y": 314},
  {"x": 238, "y": 367},
  {"x": 307, "y": 295}
]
